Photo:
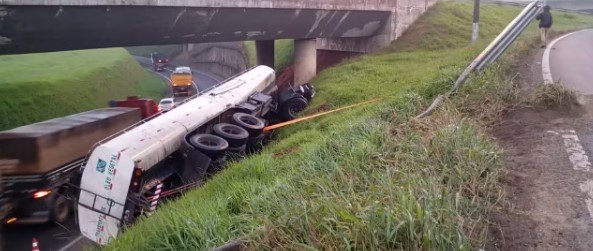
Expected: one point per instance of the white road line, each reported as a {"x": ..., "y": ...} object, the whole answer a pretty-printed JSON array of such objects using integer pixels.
[
  {"x": 546, "y": 71},
  {"x": 70, "y": 244},
  {"x": 580, "y": 162},
  {"x": 553, "y": 132},
  {"x": 589, "y": 203},
  {"x": 576, "y": 153},
  {"x": 587, "y": 187},
  {"x": 162, "y": 75}
]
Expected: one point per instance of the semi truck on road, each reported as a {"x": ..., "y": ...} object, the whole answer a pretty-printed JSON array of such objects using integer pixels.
[
  {"x": 159, "y": 61},
  {"x": 46, "y": 156},
  {"x": 45, "y": 159},
  {"x": 126, "y": 176}
]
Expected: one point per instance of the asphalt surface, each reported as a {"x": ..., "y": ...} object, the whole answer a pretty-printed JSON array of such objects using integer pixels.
[
  {"x": 66, "y": 237},
  {"x": 571, "y": 61},
  {"x": 49, "y": 236},
  {"x": 202, "y": 80}
]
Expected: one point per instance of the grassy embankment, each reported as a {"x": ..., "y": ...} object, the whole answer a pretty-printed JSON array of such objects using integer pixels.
[
  {"x": 370, "y": 177},
  {"x": 283, "y": 53},
  {"x": 36, "y": 87}
]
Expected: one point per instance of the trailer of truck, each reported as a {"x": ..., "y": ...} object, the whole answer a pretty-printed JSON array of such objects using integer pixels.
[
  {"x": 176, "y": 150},
  {"x": 46, "y": 155}
]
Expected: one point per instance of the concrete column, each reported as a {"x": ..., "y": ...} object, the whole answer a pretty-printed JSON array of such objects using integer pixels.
[
  {"x": 305, "y": 60},
  {"x": 265, "y": 52}
]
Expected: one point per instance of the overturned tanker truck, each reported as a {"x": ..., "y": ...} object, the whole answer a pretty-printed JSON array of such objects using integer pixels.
[{"x": 125, "y": 175}]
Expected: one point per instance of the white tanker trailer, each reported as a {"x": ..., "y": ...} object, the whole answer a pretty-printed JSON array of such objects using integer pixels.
[{"x": 125, "y": 174}]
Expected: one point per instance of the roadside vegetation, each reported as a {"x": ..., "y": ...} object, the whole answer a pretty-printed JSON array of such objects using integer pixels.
[
  {"x": 554, "y": 95},
  {"x": 36, "y": 87},
  {"x": 371, "y": 177},
  {"x": 283, "y": 53}
]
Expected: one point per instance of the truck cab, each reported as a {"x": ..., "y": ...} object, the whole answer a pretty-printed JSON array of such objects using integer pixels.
[
  {"x": 159, "y": 61},
  {"x": 182, "y": 81},
  {"x": 46, "y": 157}
]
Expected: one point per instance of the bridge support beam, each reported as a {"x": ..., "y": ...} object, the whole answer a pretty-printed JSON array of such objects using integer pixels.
[
  {"x": 265, "y": 52},
  {"x": 305, "y": 60}
]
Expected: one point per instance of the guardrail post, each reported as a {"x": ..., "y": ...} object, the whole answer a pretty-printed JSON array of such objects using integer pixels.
[{"x": 476, "y": 28}]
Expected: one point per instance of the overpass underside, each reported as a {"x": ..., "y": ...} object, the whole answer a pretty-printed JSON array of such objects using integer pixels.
[
  {"x": 26, "y": 29},
  {"x": 352, "y": 26}
]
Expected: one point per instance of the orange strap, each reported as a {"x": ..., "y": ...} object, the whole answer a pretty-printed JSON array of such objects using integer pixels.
[{"x": 290, "y": 122}]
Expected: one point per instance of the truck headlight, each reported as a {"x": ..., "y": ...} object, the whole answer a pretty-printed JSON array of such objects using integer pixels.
[{"x": 41, "y": 193}]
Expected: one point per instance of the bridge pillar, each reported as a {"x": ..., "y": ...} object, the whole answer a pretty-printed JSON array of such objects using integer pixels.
[
  {"x": 264, "y": 50},
  {"x": 305, "y": 60}
]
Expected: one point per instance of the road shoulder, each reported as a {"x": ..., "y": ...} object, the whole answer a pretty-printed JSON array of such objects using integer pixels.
[{"x": 549, "y": 178}]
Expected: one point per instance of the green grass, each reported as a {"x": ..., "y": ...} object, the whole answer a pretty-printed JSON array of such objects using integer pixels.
[
  {"x": 144, "y": 51},
  {"x": 554, "y": 95},
  {"x": 36, "y": 87},
  {"x": 369, "y": 177},
  {"x": 283, "y": 53}
]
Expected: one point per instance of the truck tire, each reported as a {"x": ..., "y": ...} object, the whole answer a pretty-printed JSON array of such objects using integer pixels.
[
  {"x": 236, "y": 153},
  {"x": 252, "y": 124},
  {"x": 235, "y": 135},
  {"x": 290, "y": 109},
  {"x": 255, "y": 144},
  {"x": 209, "y": 144},
  {"x": 60, "y": 209}
]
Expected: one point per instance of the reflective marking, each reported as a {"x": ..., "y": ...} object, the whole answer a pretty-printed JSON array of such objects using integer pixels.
[
  {"x": 575, "y": 151},
  {"x": 580, "y": 162}
]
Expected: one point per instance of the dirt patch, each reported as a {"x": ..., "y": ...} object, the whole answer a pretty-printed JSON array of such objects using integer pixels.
[
  {"x": 544, "y": 207},
  {"x": 325, "y": 59},
  {"x": 285, "y": 152},
  {"x": 529, "y": 71},
  {"x": 286, "y": 77},
  {"x": 320, "y": 108}
]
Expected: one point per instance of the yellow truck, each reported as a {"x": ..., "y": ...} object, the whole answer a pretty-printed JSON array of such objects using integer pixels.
[{"x": 182, "y": 81}]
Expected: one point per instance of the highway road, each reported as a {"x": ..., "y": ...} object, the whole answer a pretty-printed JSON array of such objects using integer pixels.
[
  {"x": 202, "y": 80},
  {"x": 66, "y": 237},
  {"x": 570, "y": 61}
]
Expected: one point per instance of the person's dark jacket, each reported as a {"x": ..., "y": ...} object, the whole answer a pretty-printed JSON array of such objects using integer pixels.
[{"x": 545, "y": 19}]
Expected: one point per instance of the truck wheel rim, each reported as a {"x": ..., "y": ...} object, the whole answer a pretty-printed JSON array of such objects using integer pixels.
[{"x": 294, "y": 110}]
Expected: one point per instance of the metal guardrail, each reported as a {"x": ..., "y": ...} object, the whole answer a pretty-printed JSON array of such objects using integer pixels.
[
  {"x": 508, "y": 35},
  {"x": 492, "y": 52}
]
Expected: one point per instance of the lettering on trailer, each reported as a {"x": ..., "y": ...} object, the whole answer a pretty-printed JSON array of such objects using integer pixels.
[
  {"x": 111, "y": 170},
  {"x": 102, "y": 220},
  {"x": 100, "y": 223}
]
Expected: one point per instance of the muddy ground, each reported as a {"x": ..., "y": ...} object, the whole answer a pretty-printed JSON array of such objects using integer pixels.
[{"x": 547, "y": 181}]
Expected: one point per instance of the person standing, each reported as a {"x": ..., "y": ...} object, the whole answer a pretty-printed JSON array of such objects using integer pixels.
[{"x": 545, "y": 22}]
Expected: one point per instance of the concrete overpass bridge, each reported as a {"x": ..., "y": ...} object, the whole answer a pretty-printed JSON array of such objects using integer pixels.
[{"x": 335, "y": 25}]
